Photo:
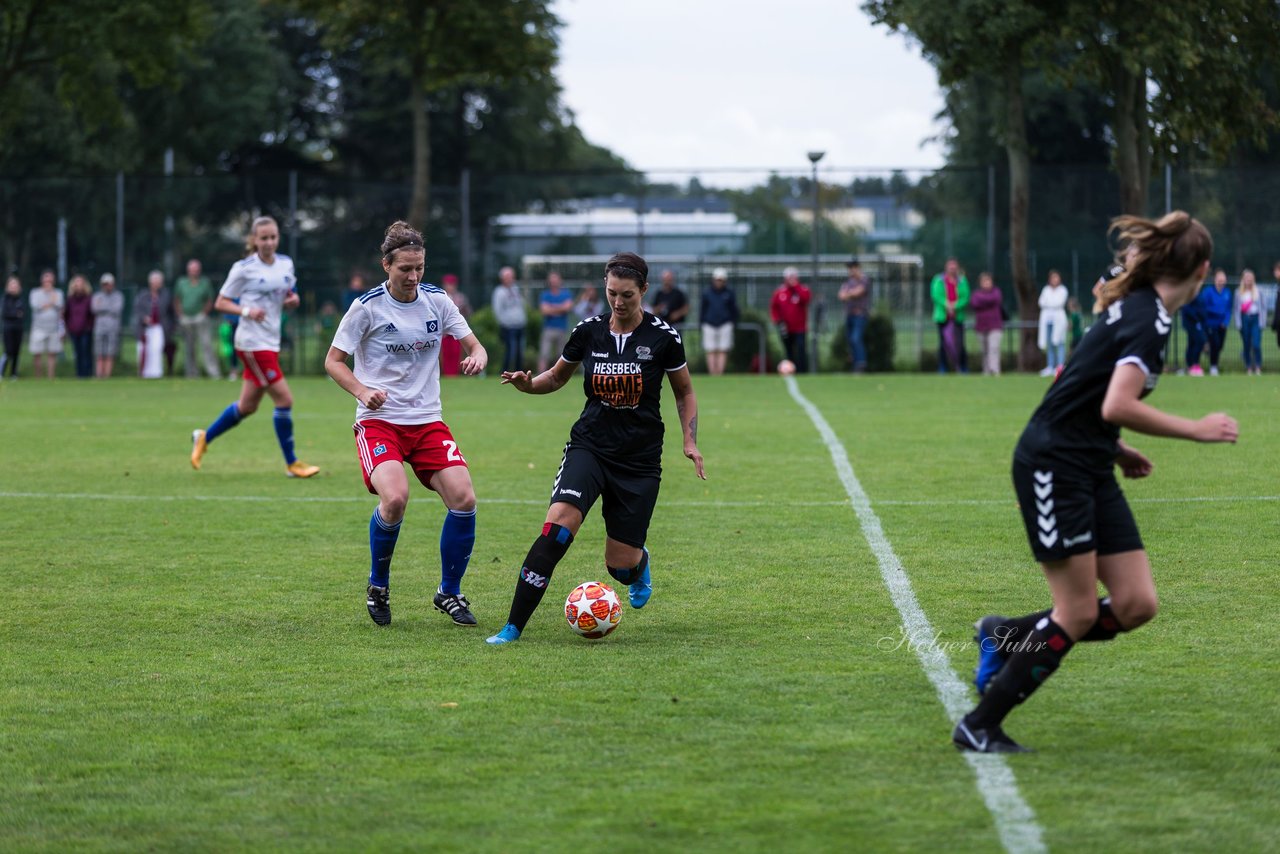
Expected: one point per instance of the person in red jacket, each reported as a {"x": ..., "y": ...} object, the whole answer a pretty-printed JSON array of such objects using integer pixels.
[{"x": 789, "y": 310}]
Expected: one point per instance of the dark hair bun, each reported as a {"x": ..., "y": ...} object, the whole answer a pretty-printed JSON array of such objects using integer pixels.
[{"x": 401, "y": 235}]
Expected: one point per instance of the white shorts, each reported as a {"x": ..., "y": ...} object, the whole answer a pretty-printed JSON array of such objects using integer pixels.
[
  {"x": 45, "y": 342},
  {"x": 717, "y": 339}
]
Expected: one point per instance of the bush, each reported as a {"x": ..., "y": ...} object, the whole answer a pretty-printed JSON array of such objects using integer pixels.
[
  {"x": 881, "y": 340},
  {"x": 746, "y": 346}
]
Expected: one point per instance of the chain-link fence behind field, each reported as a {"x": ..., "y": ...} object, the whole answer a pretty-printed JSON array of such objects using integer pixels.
[{"x": 901, "y": 224}]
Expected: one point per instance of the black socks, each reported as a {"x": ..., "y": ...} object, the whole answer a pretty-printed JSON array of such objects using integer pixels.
[{"x": 535, "y": 574}]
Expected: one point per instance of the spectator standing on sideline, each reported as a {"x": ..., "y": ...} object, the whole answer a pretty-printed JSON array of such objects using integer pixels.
[
  {"x": 509, "y": 311},
  {"x": 450, "y": 347},
  {"x": 950, "y": 293},
  {"x": 718, "y": 313},
  {"x": 1215, "y": 305},
  {"x": 988, "y": 321},
  {"x": 356, "y": 287},
  {"x": 1275, "y": 304},
  {"x": 195, "y": 301},
  {"x": 1193, "y": 323},
  {"x": 789, "y": 311},
  {"x": 13, "y": 314},
  {"x": 108, "y": 311},
  {"x": 855, "y": 293},
  {"x": 153, "y": 324},
  {"x": 1052, "y": 334},
  {"x": 1250, "y": 316},
  {"x": 1075, "y": 320},
  {"x": 554, "y": 304},
  {"x": 670, "y": 303},
  {"x": 78, "y": 319},
  {"x": 589, "y": 303},
  {"x": 46, "y": 324}
]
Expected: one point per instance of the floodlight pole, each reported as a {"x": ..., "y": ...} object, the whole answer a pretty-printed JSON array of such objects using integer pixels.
[{"x": 814, "y": 157}]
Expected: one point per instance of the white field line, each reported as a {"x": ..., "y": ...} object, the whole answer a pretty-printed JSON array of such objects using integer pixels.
[{"x": 1014, "y": 819}]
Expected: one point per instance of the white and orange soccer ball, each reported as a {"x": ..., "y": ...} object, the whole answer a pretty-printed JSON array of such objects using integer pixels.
[{"x": 593, "y": 609}]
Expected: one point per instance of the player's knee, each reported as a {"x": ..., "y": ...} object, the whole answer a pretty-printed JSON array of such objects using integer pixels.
[
  {"x": 1136, "y": 610},
  {"x": 464, "y": 501},
  {"x": 247, "y": 408},
  {"x": 391, "y": 507},
  {"x": 1077, "y": 619}
]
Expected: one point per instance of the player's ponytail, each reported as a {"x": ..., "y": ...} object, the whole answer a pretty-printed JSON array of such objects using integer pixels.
[
  {"x": 250, "y": 246},
  {"x": 401, "y": 235},
  {"x": 1172, "y": 247}
]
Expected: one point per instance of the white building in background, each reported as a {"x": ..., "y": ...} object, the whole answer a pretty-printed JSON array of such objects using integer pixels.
[
  {"x": 685, "y": 226},
  {"x": 605, "y": 230}
]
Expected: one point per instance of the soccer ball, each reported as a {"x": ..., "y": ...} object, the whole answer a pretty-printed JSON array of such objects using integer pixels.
[
  {"x": 786, "y": 367},
  {"x": 592, "y": 609}
]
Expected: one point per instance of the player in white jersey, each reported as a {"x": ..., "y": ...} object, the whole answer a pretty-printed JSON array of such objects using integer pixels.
[
  {"x": 395, "y": 331},
  {"x": 258, "y": 288}
]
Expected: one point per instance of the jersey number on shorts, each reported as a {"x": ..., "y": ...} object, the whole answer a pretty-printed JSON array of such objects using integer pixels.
[{"x": 452, "y": 454}]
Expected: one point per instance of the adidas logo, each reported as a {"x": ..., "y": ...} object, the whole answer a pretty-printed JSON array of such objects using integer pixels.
[{"x": 391, "y": 327}]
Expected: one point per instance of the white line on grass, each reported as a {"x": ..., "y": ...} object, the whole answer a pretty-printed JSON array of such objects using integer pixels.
[{"x": 1015, "y": 821}]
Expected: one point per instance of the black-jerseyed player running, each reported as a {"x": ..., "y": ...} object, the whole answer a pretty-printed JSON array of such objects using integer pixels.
[
  {"x": 615, "y": 448},
  {"x": 1079, "y": 525}
]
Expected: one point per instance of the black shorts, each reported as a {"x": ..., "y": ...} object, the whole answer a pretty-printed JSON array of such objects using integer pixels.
[
  {"x": 628, "y": 498},
  {"x": 1070, "y": 509}
]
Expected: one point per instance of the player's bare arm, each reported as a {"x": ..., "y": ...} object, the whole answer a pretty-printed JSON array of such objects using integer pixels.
[
  {"x": 552, "y": 379},
  {"x": 477, "y": 356},
  {"x": 687, "y": 407},
  {"x": 1123, "y": 407},
  {"x": 335, "y": 365}
]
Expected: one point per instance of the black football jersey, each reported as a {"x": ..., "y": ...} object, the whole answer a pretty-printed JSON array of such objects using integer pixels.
[
  {"x": 622, "y": 378},
  {"x": 1068, "y": 423}
]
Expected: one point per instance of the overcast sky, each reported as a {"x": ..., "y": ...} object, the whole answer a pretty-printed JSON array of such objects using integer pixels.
[{"x": 703, "y": 84}]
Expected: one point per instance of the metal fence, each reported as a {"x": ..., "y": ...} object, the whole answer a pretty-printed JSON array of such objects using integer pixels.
[{"x": 331, "y": 226}]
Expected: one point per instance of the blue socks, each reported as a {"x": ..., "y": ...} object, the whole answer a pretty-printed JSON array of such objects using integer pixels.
[
  {"x": 457, "y": 536},
  {"x": 283, "y": 421},
  {"x": 382, "y": 544},
  {"x": 229, "y": 418}
]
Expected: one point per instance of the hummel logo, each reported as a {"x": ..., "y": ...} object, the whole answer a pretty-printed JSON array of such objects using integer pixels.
[
  {"x": 391, "y": 327},
  {"x": 596, "y": 355},
  {"x": 979, "y": 746},
  {"x": 1067, "y": 542}
]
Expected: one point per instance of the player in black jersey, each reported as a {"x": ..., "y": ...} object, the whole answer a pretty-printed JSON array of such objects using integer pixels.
[
  {"x": 615, "y": 448},
  {"x": 1079, "y": 525}
]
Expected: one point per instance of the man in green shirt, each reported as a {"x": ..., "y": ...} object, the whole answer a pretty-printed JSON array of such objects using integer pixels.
[{"x": 195, "y": 301}]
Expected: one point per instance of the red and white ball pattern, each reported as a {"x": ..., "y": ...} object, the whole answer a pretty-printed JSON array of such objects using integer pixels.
[{"x": 593, "y": 609}]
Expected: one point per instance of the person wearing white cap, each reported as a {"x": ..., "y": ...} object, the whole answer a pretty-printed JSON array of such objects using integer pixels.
[
  {"x": 107, "y": 306},
  {"x": 719, "y": 312}
]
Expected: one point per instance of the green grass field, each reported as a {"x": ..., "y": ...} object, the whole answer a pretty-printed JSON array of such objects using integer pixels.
[{"x": 187, "y": 662}]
